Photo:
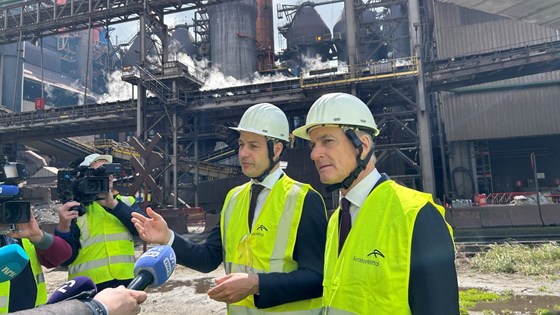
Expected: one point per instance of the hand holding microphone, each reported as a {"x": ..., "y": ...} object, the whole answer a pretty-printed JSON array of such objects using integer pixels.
[
  {"x": 13, "y": 260},
  {"x": 120, "y": 300},
  {"x": 153, "y": 268}
]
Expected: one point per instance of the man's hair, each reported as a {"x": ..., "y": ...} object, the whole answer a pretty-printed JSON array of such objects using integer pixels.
[{"x": 360, "y": 133}]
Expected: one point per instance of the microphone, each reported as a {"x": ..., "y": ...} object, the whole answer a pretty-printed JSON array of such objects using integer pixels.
[
  {"x": 13, "y": 260},
  {"x": 153, "y": 268},
  {"x": 78, "y": 288},
  {"x": 8, "y": 191}
]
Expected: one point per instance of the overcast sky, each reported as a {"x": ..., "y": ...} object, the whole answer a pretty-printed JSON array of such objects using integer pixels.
[{"x": 328, "y": 12}]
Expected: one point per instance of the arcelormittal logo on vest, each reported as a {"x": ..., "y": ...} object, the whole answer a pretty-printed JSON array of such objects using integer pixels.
[{"x": 371, "y": 258}]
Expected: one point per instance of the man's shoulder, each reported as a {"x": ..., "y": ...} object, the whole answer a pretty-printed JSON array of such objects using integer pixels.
[{"x": 306, "y": 186}]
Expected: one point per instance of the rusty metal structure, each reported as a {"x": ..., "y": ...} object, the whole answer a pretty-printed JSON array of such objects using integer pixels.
[{"x": 406, "y": 94}]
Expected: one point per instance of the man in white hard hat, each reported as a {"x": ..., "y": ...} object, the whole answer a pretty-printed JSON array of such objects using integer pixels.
[
  {"x": 272, "y": 242},
  {"x": 389, "y": 249},
  {"x": 102, "y": 236}
]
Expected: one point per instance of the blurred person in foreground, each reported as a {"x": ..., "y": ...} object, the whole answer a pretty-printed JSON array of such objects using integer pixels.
[
  {"x": 271, "y": 242},
  {"x": 28, "y": 289},
  {"x": 389, "y": 249},
  {"x": 111, "y": 301},
  {"x": 101, "y": 239}
]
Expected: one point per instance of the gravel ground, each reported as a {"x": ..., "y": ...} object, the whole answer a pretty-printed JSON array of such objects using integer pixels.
[{"x": 185, "y": 291}]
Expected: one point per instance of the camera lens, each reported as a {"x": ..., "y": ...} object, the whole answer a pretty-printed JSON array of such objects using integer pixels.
[
  {"x": 15, "y": 212},
  {"x": 11, "y": 214},
  {"x": 94, "y": 185}
]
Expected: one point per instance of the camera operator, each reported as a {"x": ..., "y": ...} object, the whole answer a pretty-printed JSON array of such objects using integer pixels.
[
  {"x": 102, "y": 238},
  {"x": 27, "y": 289},
  {"x": 24, "y": 247}
]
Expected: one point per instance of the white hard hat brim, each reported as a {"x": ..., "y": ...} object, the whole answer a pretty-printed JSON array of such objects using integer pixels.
[
  {"x": 92, "y": 158},
  {"x": 303, "y": 131},
  {"x": 257, "y": 132}
]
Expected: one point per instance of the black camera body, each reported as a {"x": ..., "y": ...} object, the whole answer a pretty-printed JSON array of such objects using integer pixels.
[
  {"x": 83, "y": 184},
  {"x": 15, "y": 211},
  {"x": 12, "y": 173},
  {"x": 12, "y": 209}
]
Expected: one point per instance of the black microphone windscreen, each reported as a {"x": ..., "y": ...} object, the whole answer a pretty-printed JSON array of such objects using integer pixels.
[{"x": 73, "y": 288}]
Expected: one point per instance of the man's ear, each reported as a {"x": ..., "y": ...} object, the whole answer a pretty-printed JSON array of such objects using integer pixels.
[
  {"x": 278, "y": 148},
  {"x": 367, "y": 145}
]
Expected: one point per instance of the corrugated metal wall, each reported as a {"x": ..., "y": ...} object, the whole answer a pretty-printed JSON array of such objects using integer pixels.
[
  {"x": 504, "y": 113},
  {"x": 461, "y": 31},
  {"x": 524, "y": 106}
]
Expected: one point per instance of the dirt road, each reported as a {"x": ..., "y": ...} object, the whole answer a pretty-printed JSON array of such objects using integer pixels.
[{"x": 185, "y": 291}]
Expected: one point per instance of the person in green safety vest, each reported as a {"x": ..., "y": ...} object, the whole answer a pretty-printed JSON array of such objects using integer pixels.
[
  {"x": 271, "y": 236},
  {"x": 43, "y": 249},
  {"x": 102, "y": 238},
  {"x": 389, "y": 249}
]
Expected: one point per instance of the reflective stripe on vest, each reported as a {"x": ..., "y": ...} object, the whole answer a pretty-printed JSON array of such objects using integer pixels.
[
  {"x": 333, "y": 311},
  {"x": 107, "y": 251},
  {"x": 269, "y": 246},
  {"x": 41, "y": 297},
  {"x": 371, "y": 275},
  {"x": 225, "y": 217},
  {"x": 241, "y": 310},
  {"x": 127, "y": 200}
]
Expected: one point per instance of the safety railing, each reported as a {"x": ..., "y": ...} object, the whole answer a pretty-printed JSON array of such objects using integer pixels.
[
  {"x": 370, "y": 71},
  {"x": 504, "y": 198},
  {"x": 121, "y": 150},
  {"x": 57, "y": 115}
]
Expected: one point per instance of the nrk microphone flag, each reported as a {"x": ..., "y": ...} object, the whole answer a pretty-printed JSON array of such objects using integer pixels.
[
  {"x": 153, "y": 268},
  {"x": 13, "y": 260},
  {"x": 78, "y": 288}
]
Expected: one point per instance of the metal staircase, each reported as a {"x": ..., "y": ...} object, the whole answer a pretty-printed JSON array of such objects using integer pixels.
[
  {"x": 147, "y": 79},
  {"x": 483, "y": 167}
]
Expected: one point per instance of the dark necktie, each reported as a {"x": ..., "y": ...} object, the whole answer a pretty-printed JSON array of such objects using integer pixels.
[
  {"x": 255, "y": 191},
  {"x": 345, "y": 223}
]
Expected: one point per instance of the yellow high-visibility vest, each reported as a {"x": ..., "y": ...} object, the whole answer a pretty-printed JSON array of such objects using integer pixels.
[
  {"x": 371, "y": 275},
  {"x": 269, "y": 246},
  {"x": 107, "y": 251},
  {"x": 41, "y": 297}
]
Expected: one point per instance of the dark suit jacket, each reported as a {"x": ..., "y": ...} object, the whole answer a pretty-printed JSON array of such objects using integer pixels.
[{"x": 274, "y": 288}]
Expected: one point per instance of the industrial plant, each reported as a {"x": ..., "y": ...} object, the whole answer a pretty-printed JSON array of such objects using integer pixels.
[{"x": 466, "y": 96}]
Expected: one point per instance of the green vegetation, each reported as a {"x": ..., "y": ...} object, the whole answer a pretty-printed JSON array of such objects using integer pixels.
[
  {"x": 515, "y": 258},
  {"x": 541, "y": 261},
  {"x": 470, "y": 297}
]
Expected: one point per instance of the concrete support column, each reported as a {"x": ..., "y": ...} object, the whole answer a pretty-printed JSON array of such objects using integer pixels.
[{"x": 426, "y": 157}]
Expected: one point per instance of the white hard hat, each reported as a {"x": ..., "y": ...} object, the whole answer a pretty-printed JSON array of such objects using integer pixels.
[
  {"x": 267, "y": 120},
  {"x": 338, "y": 109},
  {"x": 90, "y": 159}
]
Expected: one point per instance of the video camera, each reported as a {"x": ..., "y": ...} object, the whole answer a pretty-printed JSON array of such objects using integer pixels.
[
  {"x": 84, "y": 183},
  {"x": 12, "y": 209}
]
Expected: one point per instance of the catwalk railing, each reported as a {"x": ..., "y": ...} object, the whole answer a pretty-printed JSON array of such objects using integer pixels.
[
  {"x": 31, "y": 18},
  {"x": 520, "y": 59},
  {"x": 68, "y": 114},
  {"x": 504, "y": 198}
]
